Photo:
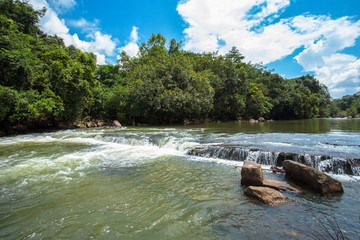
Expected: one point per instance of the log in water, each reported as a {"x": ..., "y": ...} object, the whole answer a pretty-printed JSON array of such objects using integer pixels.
[{"x": 148, "y": 183}]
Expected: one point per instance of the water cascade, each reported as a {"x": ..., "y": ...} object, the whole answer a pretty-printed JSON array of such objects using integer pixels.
[{"x": 324, "y": 163}]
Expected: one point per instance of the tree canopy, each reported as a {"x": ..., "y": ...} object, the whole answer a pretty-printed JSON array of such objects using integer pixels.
[{"x": 42, "y": 79}]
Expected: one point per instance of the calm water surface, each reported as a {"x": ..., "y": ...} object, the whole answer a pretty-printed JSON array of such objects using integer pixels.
[{"x": 140, "y": 183}]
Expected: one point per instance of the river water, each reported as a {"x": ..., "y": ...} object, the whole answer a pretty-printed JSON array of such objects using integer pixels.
[{"x": 174, "y": 182}]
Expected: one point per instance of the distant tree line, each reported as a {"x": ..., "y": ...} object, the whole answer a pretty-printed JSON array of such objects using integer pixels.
[
  {"x": 347, "y": 106},
  {"x": 42, "y": 80}
]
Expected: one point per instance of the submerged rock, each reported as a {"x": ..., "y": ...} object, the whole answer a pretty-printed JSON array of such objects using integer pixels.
[
  {"x": 267, "y": 195},
  {"x": 251, "y": 174},
  {"x": 319, "y": 181}
]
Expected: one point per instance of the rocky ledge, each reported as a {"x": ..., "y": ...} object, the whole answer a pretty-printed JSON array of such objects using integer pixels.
[{"x": 268, "y": 190}]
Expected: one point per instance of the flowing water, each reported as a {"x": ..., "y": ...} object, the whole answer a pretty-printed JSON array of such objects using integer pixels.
[{"x": 173, "y": 182}]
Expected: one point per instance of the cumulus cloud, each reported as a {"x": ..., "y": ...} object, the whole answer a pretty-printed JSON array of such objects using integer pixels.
[
  {"x": 132, "y": 48},
  {"x": 101, "y": 44},
  {"x": 254, "y": 27}
]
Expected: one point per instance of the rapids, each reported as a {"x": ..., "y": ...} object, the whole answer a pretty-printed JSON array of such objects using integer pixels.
[{"x": 172, "y": 182}]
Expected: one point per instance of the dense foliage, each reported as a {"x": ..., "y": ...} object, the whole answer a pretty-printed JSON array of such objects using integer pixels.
[
  {"x": 348, "y": 105},
  {"x": 43, "y": 80},
  {"x": 40, "y": 77}
]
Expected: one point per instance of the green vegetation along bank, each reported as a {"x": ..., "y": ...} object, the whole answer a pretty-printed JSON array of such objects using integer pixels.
[{"x": 44, "y": 83}]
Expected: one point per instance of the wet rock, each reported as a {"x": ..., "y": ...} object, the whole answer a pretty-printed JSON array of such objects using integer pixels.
[
  {"x": 253, "y": 120},
  {"x": 261, "y": 119},
  {"x": 267, "y": 195},
  {"x": 116, "y": 123},
  {"x": 319, "y": 181},
  {"x": 251, "y": 174},
  {"x": 281, "y": 186}
]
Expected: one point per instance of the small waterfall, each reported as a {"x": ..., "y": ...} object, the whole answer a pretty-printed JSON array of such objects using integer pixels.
[
  {"x": 322, "y": 163},
  {"x": 128, "y": 140},
  {"x": 236, "y": 153}
]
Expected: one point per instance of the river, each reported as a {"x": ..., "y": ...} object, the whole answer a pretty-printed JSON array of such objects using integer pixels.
[{"x": 173, "y": 182}]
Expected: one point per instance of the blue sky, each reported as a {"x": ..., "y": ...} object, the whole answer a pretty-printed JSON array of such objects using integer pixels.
[{"x": 293, "y": 37}]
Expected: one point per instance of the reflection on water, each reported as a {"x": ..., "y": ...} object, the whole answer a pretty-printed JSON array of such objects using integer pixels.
[{"x": 139, "y": 183}]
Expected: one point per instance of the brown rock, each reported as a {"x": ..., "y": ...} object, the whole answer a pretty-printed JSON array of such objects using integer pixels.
[
  {"x": 80, "y": 125},
  {"x": 267, "y": 195},
  {"x": 101, "y": 124},
  {"x": 261, "y": 119},
  {"x": 281, "y": 186},
  {"x": 319, "y": 181},
  {"x": 90, "y": 124},
  {"x": 116, "y": 123},
  {"x": 251, "y": 174}
]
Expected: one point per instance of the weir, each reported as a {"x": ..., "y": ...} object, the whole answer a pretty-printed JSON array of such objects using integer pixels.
[{"x": 324, "y": 163}]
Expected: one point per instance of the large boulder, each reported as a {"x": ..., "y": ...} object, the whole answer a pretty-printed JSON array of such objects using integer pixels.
[
  {"x": 267, "y": 195},
  {"x": 251, "y": 174},
  {"x": 319, "y": 181}
]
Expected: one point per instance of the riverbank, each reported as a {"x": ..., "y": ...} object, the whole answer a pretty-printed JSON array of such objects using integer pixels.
[{"x": 44, "y": 126}]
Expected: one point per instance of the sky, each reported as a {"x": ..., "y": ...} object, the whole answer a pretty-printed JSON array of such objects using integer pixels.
[{"x": 291, "y": 37}]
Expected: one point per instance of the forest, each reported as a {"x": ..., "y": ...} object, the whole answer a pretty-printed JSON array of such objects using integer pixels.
[{"x": 44, "y": 83}]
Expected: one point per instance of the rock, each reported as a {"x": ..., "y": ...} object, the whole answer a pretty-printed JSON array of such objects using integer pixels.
[
  {"x": 2, "y": 134},
  {"x": 319, "y": 181},
  {"x": 116, "y": 123},
  {"x": 267, "y": 195},
  {"x": 281, "y": 186},
  {"x": 261, "y": 119},
  {"x": 79, "y": 125},
  {"x": 90, "y": 124},
  {"x": 251, "y": 174},
  {"x": 101, "y": 124},
  {"x": 253, "y": 120}
]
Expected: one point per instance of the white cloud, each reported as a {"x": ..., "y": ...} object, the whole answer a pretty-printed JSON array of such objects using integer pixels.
[
  {"x": 254, "y": 27},
  {"x": 101, "y": 44},
  {"x": 85, "y": 25},
  {"x": 132, "y": 47},
  {"x": 62, "y": 5}
]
